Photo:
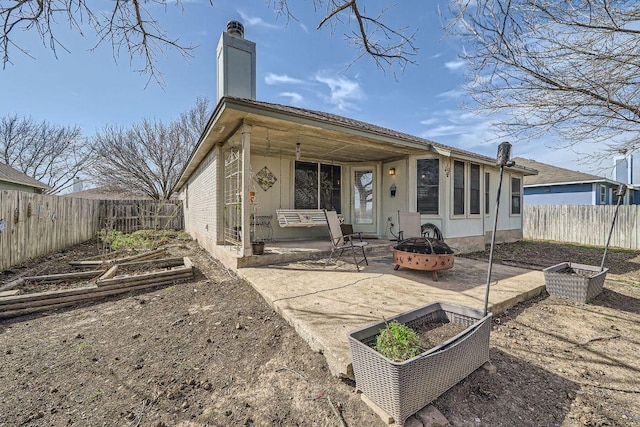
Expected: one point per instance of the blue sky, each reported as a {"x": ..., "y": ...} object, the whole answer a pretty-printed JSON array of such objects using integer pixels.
[{"x": 296, "y": 65}]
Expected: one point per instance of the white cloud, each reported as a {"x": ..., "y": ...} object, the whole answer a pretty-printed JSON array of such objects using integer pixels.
[
  {"x": 429, "y": 122},
  {"x": 294, "y": 97},
  {"x": 343, "y": 91},
  {"x": 304, "y": 27},
  {"x": 454, "y": 65},
  {"x": 473, "y": 132},
  {"x": 454, "y": 93},
  {"x": 461, "y": 129},
  {"x": 280, "y": 79},
  {"x": 256, "y": 21}
]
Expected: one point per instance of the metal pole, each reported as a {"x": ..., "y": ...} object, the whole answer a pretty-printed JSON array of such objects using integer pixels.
[
  {"x": 504, "y": 152},
  {"x": 620, "y": 194},
  {"x": 493, "y": 242}
]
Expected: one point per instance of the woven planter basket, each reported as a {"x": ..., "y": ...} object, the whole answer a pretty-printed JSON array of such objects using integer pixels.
[
  {"x": 403, "y": 388},
  {"x": 583, "y": 286}
]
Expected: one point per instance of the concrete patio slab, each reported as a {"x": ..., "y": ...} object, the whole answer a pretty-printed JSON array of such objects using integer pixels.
[{"x": 325, "y": 304}]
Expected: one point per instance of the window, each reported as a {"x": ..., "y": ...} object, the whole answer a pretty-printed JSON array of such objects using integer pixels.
[
  {"x": 516, "y": 196},
  {"x": 458, "y": 187},
  {"x": 317, "y": 186},
  {"x": 428, "y": 186},
  {"x": 474, "y": 189},
  {"x": 487, "y": 198},
  {"x": 603, "y": 194}
]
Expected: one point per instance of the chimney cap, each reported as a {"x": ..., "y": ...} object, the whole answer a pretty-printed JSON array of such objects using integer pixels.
[{"x": 235, "y": 28}]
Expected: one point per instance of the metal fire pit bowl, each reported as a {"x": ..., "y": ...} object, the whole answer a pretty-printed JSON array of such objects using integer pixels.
[{"x": 423, "y": 253}]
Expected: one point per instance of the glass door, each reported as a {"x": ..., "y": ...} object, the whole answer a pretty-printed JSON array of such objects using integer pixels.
[{"x": 364, "y": 204}]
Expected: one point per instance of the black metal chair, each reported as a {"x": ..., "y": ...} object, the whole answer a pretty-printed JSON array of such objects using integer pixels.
[{"x": 344, "y": 241}]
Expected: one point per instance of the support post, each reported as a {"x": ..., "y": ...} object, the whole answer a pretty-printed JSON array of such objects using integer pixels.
[{"x": 246, "y": 180}]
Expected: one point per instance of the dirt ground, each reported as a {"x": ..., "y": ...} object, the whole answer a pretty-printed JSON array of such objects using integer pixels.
[{"x": 212, "y": 353}]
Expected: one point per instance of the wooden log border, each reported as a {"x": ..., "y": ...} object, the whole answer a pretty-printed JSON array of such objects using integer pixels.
[{"x": 19, "y": 305}]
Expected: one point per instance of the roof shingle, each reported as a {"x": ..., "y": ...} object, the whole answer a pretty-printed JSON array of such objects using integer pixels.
[{"x": 9, "y": 174}]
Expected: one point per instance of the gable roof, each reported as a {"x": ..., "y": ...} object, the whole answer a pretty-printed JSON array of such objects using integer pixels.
[
  {"x": 336, "y": 138},
  {"x": 554, "y": 175},
  {"x": 9, "y": 174},
  {"x": 107, "y": 192}
]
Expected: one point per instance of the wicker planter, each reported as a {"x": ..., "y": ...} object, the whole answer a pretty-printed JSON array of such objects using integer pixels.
[
  {"x": 583, "y": 285},
  {"x": 403, "y": 388}
]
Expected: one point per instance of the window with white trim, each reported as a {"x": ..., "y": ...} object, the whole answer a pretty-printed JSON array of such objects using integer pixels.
[
  {"x": 487, "y": 198},
  {"x": 317, "y": 186},
  {"x": 516, "y": 196},
  {"x": 474, "y": 189},
  {"x": 428, "y": 185},
  {"x": 458, "y": 187}
]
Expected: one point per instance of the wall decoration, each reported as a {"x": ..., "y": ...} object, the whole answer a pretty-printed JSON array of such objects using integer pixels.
[{"x": 265, "y": 178}]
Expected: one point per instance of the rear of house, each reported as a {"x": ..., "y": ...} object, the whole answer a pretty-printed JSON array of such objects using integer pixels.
[{"x": 256, "y": 158}]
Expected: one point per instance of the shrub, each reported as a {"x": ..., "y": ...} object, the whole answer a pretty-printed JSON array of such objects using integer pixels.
[
  {"x": 139, "y": 240},
  {"x": 398, "y": 342}
]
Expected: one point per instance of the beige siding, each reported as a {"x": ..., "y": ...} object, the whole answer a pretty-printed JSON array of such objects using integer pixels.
[{"x": 4, "y": 185}]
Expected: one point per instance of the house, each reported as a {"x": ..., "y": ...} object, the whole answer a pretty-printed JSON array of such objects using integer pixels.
[
  {"x": 558, "y": 186},
  {"x": 254, "y": 158},
  {"x": 106, "y": 192},
  {"x": 11, "y": 179}
]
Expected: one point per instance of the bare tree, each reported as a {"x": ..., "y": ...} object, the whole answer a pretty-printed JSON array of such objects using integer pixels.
[
  {"x": 128, "y": 25},
  {"x": 570, "y": 68},
  {"x": 52, "y": 154},
  {"x": 147, "y": 157},
  {"x": 390, "y": 48}
]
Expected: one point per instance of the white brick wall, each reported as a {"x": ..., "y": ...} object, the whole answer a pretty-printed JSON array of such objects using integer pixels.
[{"x": 200, "y": 201}]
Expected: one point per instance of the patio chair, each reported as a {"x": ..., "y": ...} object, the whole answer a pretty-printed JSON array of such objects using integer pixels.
[
  {"x": 342, "y": 242},
  {"x": 409, "y": 225}
]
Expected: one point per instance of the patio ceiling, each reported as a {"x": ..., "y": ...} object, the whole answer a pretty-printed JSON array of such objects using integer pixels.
[{"x": 316, "y": 142}]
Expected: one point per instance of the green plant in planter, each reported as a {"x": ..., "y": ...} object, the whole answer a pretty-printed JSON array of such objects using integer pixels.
[{"x": 398, "y": 342}]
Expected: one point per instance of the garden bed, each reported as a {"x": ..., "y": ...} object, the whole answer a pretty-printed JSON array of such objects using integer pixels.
[{"x": 39, "y": 293}]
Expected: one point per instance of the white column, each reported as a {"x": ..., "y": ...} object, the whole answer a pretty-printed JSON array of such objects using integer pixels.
[{"x": 246, "y": 181}]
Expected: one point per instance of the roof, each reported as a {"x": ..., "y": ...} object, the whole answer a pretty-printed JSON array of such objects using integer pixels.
[
  {"x": 554, "y": 175},
  {"x": 323, "y": 135},
  {"x": 107, "y": 193},
  {"x": 9, "y": 174}
]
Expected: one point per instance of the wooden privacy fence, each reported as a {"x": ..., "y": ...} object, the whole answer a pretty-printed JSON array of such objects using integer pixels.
[
  {"x": 32, "y": 225},
  {"x": 586, "y": 225},
  {"x": 131, "y": 215}
]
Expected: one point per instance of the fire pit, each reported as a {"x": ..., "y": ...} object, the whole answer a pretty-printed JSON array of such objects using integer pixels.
[{"x": 423, "y": 253}]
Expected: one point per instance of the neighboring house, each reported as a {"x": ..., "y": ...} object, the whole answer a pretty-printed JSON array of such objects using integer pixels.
[
  {"x": 283, "y": 157},
  {"x": 558, "y": 186},
  {"x": 11, "y": 179},
  {"x": 107, "y": 193}
]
